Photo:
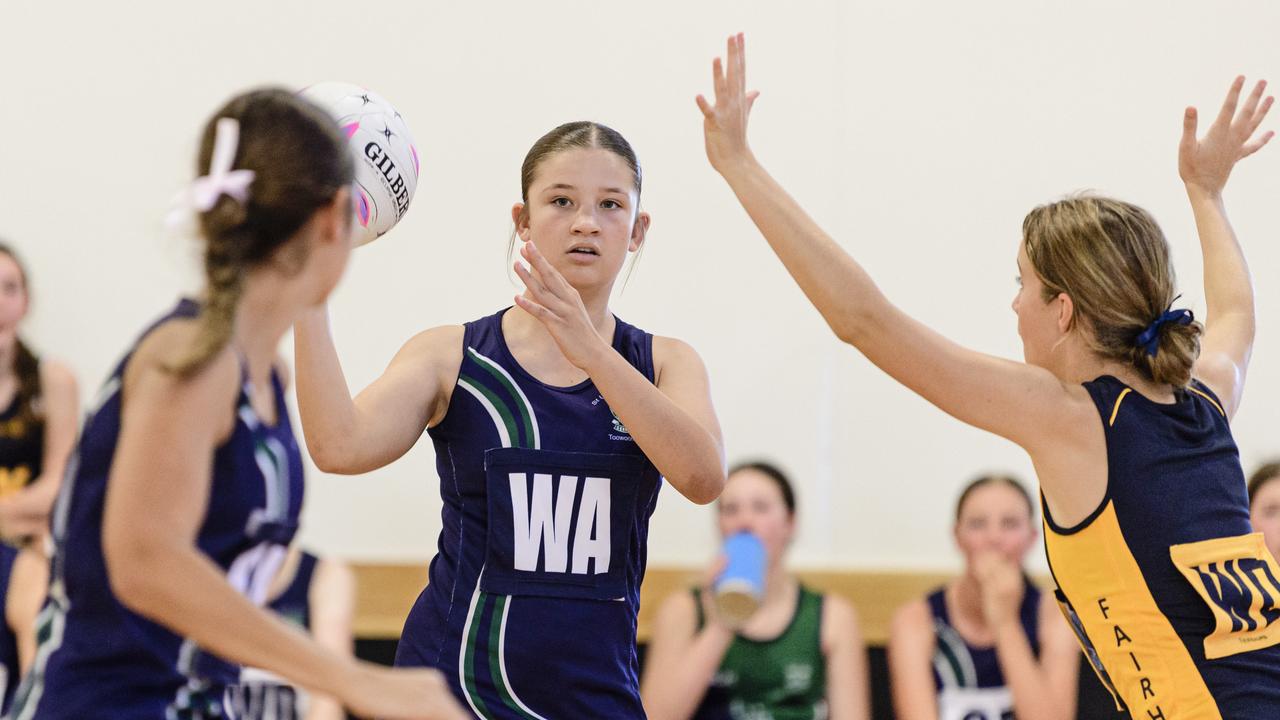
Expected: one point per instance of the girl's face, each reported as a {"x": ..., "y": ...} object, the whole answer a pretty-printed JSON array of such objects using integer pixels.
[
  {"x": 753, "y": 502},
  {"x": 13, "y": 299},
  {"x": 582, "y": 215},
  {"x": 1039, "y": 323},
  {"x": 994, "y": 519},
  {"x": 1265, "y": 513}
]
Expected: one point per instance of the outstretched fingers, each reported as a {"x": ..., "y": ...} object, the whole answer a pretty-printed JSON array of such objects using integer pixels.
[
  {"x": 1190, "y": 121},
  {"x": 705, "y": 107},
  {"x": 1256, "y": 144},
  {"x": 1228, "y": 110},
  {"x": 532, "y": 282},
  {"x": 1260, "y": 114},
  {"x": 533, "y": 308},
  {"x": 718, "y": 80},
  {"x": 1251, "y": 103},
  {"x": 550, "y": 278}
]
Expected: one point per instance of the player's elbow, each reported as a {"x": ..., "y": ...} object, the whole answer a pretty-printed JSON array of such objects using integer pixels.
[
  {"x": 850, "y": 325},
  {"x": 705, "y": 488},
  {"x": 333, "y": 457}
]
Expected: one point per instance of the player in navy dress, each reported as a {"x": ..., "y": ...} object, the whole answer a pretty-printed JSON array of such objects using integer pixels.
[
  {"x": 988, "y": 644},
  {"x": 316, "y": 595},
  {"x": 554, "y": 424},
  {"x": 186, "y": 484},
  {"x": 1123, "y": 404}
]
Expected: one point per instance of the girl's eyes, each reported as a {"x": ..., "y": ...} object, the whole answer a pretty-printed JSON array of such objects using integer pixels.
[{"x": 606, "y": 204}]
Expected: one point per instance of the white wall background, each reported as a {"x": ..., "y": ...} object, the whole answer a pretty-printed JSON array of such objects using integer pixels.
[{"x": 919, "y": 133}]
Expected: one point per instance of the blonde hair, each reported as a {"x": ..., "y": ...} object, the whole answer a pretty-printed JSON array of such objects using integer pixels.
[{"x": 1111, "y": 258}]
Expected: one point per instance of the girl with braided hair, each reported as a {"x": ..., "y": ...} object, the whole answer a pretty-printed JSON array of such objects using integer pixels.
[
  {"x": 187, "y": 482},
  {"x": 37, "y": 432},
  {"x": 38, "y": 422}
]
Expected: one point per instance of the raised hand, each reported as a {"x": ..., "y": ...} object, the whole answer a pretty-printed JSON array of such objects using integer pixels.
[
  {"x": 558, "y": 306},
  {"x": 1206, "y": 163},
  {"x": 725, "y": 123}
]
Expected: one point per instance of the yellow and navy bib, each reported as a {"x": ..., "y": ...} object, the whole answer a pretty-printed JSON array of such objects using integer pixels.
[
  {"x": 21, "y": 448},
  {"x": 1173, "y": 596}
]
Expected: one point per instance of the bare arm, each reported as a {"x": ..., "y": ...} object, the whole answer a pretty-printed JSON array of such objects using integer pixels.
[
  {"x": 848, "y": 694},
  {"x": 332, "y": 601},
  {"x": 170, "y": 428},
  {"x": 911, "y": 647},
  {"x": 355, "y": 435},
  {"x": 1205, "y": 165},
  {"x": 1059, "y": 656},
  {"x": 26, "y": 513},
  {"x": 682, "y": 659},
  {"x": 1023, "y": 403},
  {"x": 672, "y": 421},
  {"x": 1044, "y": 688},
  {"x": 28, "y": 582}
]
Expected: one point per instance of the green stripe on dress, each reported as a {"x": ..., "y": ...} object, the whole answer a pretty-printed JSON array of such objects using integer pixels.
[
  {"x": 521, "y": 407},
  {"x": 469, "y": 669},
  {"x": 504, "y": 411}
]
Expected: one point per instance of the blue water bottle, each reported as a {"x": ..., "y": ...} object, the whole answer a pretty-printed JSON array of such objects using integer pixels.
[{"x": 740, "y": 588}]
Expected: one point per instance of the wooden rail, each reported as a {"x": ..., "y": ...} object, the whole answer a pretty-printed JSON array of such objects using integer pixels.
[{"x": 386, "y": 592}]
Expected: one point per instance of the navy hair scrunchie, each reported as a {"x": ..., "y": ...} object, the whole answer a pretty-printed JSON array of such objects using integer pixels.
[{"x": 1150, "y": 338}]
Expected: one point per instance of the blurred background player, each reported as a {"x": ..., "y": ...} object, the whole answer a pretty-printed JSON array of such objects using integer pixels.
[
  {"x": 799, "y": 657},
  {"x": 317, "y": 595},
  {"x": 187, "y": 480},
  {"x": 987, "y": 645}
]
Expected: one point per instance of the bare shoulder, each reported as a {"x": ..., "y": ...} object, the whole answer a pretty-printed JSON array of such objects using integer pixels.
[
  {"x": 214, "y": 387},
  {"x": 839, "y": 621},
  {"x": 56, "y": 375},
  {"x": 678, "y": 613},
  {"x": 665, "y": 348},
  {"x": 911, "y": 622},
  {"x": 672, "y": 354},
  {"x": 437, "y": 347},
  {"x": 838, "y": 612},
  {"x": 438, "y": 339},
  {"x": 1073, "y": 411},
  {"x": 169, "y": 342},
  {"x": 335, "y": 574}
]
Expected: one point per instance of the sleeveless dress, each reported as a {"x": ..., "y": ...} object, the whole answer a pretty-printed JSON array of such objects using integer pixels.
[
  {"x": 98, "y": 659},
  {"x": 1174, "y": 598},
  {"x": 530, "y": 607}
]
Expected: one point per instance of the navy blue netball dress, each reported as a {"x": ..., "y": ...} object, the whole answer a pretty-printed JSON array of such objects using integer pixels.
[
  {"x": 530, "y": 608},
  {"x": 263, "y": 695},
  {"x": 98, "y": 659},
  {"x": 1174, "y": 598},
  {"x": 968, "y": 678}
]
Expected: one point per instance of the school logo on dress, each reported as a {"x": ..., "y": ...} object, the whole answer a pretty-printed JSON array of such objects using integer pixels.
[
  {"x": 14, "y": 479},
  {"x": 619, "y": 431},
  {"x": 1240, "y": 582},
  {"x": 797, "y": 677}
]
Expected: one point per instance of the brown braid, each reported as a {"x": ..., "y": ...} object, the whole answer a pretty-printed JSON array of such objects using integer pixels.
[{"x": 300, "y": 161}]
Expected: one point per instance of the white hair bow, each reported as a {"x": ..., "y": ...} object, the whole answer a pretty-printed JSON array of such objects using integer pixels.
[{"x": 203, "y": 192}]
